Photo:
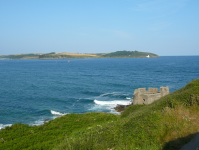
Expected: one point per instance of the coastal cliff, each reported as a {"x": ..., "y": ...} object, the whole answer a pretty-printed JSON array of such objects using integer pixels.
[{"x": 168, "y": 123}]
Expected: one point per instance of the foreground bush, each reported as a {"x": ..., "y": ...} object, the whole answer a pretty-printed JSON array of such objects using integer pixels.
[{"x": 46, "y": 136}]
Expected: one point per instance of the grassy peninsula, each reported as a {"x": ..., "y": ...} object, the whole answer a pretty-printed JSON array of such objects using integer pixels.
[
  {"x": 168, "y": 123},
  {"x": 53, "y": 55}
]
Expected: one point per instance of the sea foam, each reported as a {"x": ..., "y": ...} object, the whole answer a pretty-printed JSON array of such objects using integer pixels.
[
  {"x": 2, "y": 126},
  {"x": 57, "y": 113},
  {"x": 113, "y": 94},
  {"x": 109, "y": 105},
  {"x": 38, "y": 122},
  {"x": 120, "y": 102}
]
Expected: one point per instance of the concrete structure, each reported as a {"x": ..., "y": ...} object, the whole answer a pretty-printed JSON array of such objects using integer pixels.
[{"x": 141, "y": 96}]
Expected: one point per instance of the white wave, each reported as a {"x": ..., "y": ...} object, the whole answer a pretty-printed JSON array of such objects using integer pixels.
[
  {"x": 120, "y": 102},
  {"x": 113, "y": 93},
  {"x": 108, "y": 106},
  {"x": 106, "y": 94},
  {"x": 128, "y": 98},
  {"x": 2, "y": 126},
  {"x": 57, "y": 113},
  {"x": 42, "y": 120},
  {"x": 38, "y": 122}
]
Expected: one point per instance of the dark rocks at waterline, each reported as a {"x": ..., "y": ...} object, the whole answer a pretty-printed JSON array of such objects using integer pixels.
[
  {"x": 120, "y": 108},
  {"x": 46, "y": 120}
]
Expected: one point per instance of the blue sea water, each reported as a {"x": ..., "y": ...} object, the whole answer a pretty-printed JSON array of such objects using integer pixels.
[{"x": 34, "y": 90}]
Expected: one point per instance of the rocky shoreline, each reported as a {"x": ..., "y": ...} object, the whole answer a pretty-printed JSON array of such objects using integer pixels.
[{"x": 121, "y": 108}]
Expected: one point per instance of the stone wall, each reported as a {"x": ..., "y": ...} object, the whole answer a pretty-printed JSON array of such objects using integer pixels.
[{"x": 142, "y": 96}]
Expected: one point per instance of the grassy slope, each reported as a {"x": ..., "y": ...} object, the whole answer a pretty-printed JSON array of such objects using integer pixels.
[
  {"x": 118, "y": 54},
  {"x": 46, "y": 136},
  {"x": 168, "y": 123}
]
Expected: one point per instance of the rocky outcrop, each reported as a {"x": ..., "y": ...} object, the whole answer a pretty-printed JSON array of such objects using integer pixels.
[
  {"x": 142, "y": 96},
  {"x": 120, "y": 108}
]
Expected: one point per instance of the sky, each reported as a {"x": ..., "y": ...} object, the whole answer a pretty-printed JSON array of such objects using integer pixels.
[{"x": 163, "y": 27}]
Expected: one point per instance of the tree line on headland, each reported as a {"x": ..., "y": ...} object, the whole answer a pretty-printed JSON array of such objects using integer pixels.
[{"x": 53, "y": 55}]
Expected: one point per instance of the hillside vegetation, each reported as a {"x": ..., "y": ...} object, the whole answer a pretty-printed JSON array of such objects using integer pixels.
[
  {"x": 53, "y": 55},
  {"x": 21, "y": 56},
  {"x": 168, "y": 123},
  {"x": 128, "y": 54}
]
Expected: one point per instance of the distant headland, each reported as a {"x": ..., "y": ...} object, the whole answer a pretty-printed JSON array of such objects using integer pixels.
[{"x": 53, "y": 55}]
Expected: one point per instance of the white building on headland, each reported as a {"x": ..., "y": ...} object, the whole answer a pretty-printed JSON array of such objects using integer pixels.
[{"x": 147, "y": 56}]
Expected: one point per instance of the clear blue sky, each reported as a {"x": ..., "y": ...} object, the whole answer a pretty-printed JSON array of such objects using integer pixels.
[{"x": 164, "y": 27}]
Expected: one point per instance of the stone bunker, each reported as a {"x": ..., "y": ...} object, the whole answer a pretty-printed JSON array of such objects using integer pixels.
[{"x": 142, "y": 96}]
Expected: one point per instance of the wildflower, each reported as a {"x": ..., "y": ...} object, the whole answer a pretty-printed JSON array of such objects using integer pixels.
[
  {"x": 31, "y": 131},
  {"x": 2, "y": 140}
]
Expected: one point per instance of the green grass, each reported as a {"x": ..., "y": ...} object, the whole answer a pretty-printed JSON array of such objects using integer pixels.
[
  {"x": 168, "y": 123},
  {"x": 46, "y": 136}
]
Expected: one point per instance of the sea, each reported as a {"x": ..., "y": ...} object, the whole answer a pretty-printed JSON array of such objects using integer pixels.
[{"x": 32, "y": 91}]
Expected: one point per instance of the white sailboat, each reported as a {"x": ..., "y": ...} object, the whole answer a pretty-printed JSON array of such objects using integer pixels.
[{"x": 147, "y": 56}]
